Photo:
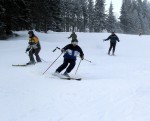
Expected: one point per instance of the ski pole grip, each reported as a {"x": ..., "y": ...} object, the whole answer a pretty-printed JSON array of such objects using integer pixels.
[{"x": 54, "y": 50}]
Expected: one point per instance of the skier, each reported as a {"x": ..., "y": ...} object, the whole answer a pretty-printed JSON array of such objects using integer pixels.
[
  {"x": 34, "y": 47},
  {"x": 140, "y": 33},
  {"x": 71, "y": 52},
  {"x": 73, "y": 36},
  {"x": 113, "y": 40}
]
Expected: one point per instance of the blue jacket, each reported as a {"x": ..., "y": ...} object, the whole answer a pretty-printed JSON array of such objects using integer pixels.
[{"x": 71, "y": 51}]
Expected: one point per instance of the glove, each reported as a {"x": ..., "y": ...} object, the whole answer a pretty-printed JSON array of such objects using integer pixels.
[
  {"x": 82, "y": 57},
  {"x": 118, "y": 40},
  {"x": 104, "y": 39},
  {"x": 27, "y": 49},
  {"x": 62, "y": 50}
]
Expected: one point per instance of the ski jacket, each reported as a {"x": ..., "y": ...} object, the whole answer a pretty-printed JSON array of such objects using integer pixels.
[
  {"x": 71, "y": 51},
  {"x": 34, "y": 43},
  {"x": 113, "y": 38}
]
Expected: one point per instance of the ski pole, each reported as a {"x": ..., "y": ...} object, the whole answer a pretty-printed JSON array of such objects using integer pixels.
[
  {"x": 56, "y": 49},
  {"x": 40, "y": 58},
  {"x": 78, "y": 66},
  {"x": 78, "y": 56},
  {"x": 87, "y": 60},
  {"x": 52, "y": 63},
  {"x": 43, "y": 60}
]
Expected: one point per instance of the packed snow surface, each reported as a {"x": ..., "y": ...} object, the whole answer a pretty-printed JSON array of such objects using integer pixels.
[{"x": 113, "y": 88}]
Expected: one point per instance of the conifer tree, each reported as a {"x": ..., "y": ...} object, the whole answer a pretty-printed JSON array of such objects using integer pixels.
[
  {"x": 90, "y": 15},
  {"x": 125, "y": 22},
  {"x": 100, "y": 16},
  {"x": 111, "y": 22}
]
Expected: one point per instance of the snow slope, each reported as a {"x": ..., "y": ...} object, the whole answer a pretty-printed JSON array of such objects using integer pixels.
[{"x": 113, "y": 88}]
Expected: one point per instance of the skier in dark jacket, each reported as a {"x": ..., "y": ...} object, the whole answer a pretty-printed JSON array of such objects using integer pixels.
[
  {"x": 71, "y": 52},
  {"x": 73, "y": 36},
  {"x": 113, "y": 40},
  {"x": 34, "y": 47}
]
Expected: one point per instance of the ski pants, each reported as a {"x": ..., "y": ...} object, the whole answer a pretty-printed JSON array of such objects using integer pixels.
[
  {"x": 36, "y": 53},
  {"x": 112, "y": 45},
  {"x": 71, "y": 63}
]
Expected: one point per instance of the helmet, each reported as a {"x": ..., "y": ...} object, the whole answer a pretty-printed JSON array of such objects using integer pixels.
[
  {"x": 113, "y": 32},
  {"x": 31, "y": 32}
]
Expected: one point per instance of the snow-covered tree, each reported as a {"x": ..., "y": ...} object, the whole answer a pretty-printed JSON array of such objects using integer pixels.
[
  {"x": 111, "y": 22},
  {"x": 125, "y": 22},
  {"x": 135, "y": 17},
  {"x": 90, "y": 15},
  {"x": 99, "y": 17}
]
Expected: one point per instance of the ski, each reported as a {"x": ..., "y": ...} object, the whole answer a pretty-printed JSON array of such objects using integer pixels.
[
  {"x": 71, "y": 78},
  {"x": 22, "y": 64},
  {"x": 19, "y": 65},
  {"x": 67, "y": 78}
]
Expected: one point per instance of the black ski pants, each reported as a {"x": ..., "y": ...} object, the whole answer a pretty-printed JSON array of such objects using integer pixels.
[
  {"x": 36, "y": 53},
  {"x": 71, "y": 63},
  {"x": 112, "y": 46}
]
